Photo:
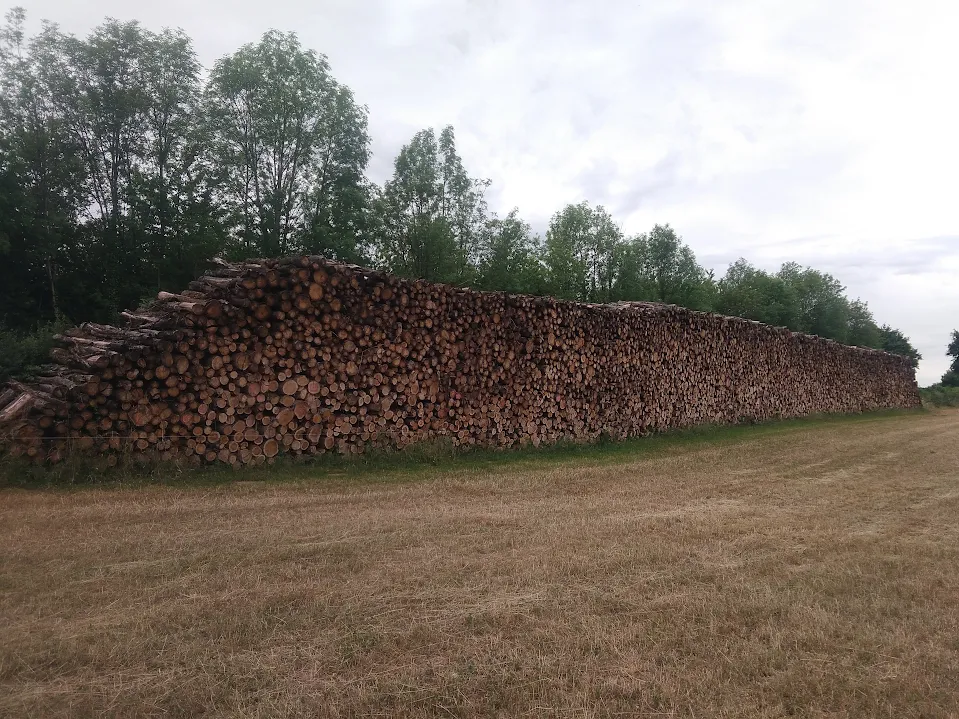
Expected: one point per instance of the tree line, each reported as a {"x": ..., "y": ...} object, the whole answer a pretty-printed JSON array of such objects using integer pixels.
[{"x": 124, "y": 168}]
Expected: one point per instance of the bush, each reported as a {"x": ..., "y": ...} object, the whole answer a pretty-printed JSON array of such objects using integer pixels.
[
  {"x": 22, "y": 353},
  {"x": 939, "y": 395},
  {"x": 949, "y": 379}
]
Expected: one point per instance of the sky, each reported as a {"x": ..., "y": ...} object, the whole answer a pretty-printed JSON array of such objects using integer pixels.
[{"x": 824, "y": 132}]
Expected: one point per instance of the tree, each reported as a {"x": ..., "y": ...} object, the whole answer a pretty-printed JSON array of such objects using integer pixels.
[
  {"x": 953, "y": 351},
  {"x": 676, "y": 276},
  {"x": 462, "y": 199},
  {"x": 508, "y": 260},
  {"x": 182, "y": 226},
  {"x": 43, "y": 176},
  {"x": 565, "y": 256},
  {"x": 745, "y": 291},
  {"x": 339, "y": 209},
  {"x": 822, "y": 308},
  {"x": 893, "y": 341},
  {"x": 434, "y": 214},
  {"x": 581, "y": 244},
  {"x": 124, "y": 102},
  {"x": 862, "y": 328},
  {"x": 951, "y": 377},
  {"x": 632, "y": 281},
  {"x": 291, "y": 144},
  {"x": 101, "y": 89}
]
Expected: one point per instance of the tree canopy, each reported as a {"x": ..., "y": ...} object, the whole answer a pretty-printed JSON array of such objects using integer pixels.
[
  {"x": 433, "y": 213},
  {"x": 894, "y": 341}
]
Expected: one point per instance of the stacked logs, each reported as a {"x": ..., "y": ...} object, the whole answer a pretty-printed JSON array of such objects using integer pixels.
[{"x": 305, "y": 356}]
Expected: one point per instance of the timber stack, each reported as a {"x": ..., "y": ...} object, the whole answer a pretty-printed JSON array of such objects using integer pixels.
[{"x": 305, "y": 356}]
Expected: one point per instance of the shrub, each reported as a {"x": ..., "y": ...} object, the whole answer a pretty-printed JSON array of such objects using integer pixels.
[
  {"x": 939, "y": 395},
  {"x": 22, "y": 353}
]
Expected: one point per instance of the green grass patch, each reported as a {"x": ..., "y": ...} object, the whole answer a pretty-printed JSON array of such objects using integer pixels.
[{"x": 426, "y": 459}]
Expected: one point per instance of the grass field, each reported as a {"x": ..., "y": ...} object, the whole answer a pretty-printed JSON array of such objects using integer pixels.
[{"x": 807, "y": 569}]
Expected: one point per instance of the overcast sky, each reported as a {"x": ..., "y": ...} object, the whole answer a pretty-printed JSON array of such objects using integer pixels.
[{"x": 823, "y": 131}]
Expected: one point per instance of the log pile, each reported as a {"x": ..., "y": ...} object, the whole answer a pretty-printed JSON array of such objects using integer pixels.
[{"x": 305, "y": 356}]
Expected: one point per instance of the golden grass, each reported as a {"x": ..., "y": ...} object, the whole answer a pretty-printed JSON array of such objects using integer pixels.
[{"x": 808, "y": 572}]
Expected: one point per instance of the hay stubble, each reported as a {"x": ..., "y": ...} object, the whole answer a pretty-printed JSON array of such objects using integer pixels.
[{"x": 811, "y": 572}]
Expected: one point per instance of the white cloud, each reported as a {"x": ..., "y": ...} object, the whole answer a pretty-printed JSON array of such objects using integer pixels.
[{"x": 745, "y": 124}]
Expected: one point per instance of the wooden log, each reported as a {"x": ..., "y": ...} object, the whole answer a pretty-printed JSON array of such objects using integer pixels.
[
  {"x": 16, "y": 407},
  {"x": 301, "y": 355}
]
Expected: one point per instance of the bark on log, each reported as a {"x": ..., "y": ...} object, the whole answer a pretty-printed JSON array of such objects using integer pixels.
[{"x": 302, "y": 355}]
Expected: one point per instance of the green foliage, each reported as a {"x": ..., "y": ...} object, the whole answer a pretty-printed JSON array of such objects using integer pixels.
[
  {"x": 291, "y": 145},
  {"x": 821, "y": 306},
  {"x": 588, "y": 259},
  {"x": 953, "y": 351},
  {"x": 22, "y": 353},
  {"x": 940, "y": 395},
  {"x": 746, "y": 291},
  {"x": 863, "y": 330},
  {"x": 950, "y": 379},
  {"x": 41, "y": 176},
  {"x": 509, "y": 258},
  {"x": 121, "y": 174},
  {"x": 580, "y": 246},
  {"x": 631, "y": 281},
  {"x": 805, "y": 300},
  {"x": 672, "y": 269},
  {"x": 434, "y": 214},
  {"x": 109, "y": 202},
  {"x": 894, "y": 341}
]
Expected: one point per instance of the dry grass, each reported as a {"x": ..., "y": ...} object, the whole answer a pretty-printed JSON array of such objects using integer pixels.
[{"x": 808, "y": 572}]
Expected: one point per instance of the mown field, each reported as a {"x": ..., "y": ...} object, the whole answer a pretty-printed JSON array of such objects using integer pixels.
[{"x": 808, "y": 569}]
